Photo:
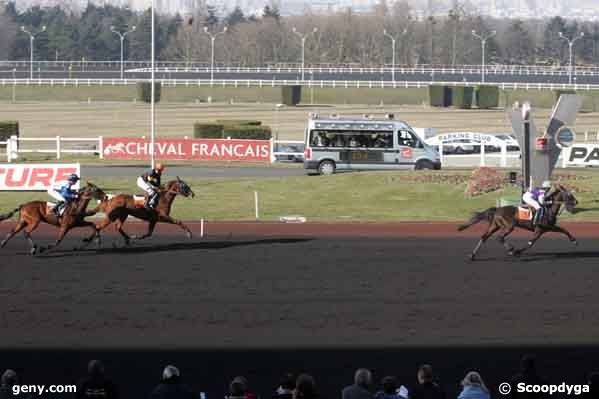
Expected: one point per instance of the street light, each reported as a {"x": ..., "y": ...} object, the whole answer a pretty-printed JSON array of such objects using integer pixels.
[
  {"x": 122, "y": 37},
  {"x": 483, "y": 43},
  {"x": 212, "y": 39},
  {"x": 570, "y": 45},
  {"x": 153, "y": 91},
  {"x": 393, "y": 40},
  {"x": 303, "y": 37},
  {"x": 31, "y": 39}
]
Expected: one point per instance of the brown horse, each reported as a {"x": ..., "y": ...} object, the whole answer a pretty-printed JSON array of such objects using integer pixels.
[
  {"x": 33, "y": 213},
  {"x": 505, "y": 219},
  {"x": 119, "y": 207}
]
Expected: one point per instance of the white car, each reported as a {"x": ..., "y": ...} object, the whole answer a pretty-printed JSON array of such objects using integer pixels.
[{"x": 510, "y": 140}]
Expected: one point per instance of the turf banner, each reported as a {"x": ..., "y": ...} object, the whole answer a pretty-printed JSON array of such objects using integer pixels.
[
  {"x": 34, "y": 177},
  {"x": 187, "y": 149}
]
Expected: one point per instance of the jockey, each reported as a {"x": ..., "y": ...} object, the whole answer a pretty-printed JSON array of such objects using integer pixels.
[
  {"x": 64, "y": 194},
  {"x": 535, "y": 198},
  {"x": 150, "y": 183}
]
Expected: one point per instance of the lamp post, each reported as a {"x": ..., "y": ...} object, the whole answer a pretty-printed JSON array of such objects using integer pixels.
[
  {"x": 393, "y": 40},
  {"x": 152, "y": 91},
  {"x": 483, "y": 43},
  {"x": 212, "y": 39},
  {"x": 570, "y": 45},
  {"x": 14, "y": 85},
  {"x": 122, "y": 37},
  {"x": 303, "y": 37},
  {"x": 31, "y": 39}
]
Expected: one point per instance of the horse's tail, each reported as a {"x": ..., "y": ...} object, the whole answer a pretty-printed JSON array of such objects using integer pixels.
[
  {"x": 479, "y": 217},
  {"x": 9, "y": 214}
]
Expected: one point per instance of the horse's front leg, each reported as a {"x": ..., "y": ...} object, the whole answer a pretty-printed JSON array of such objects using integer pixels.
[
  {"x": 558, "y": 229},
  {"x": 64, "y": 229},
  {"x": 95, "y": 235},
  {"x": 538, "y": 233},
  {"x": 170, "y": 220}
]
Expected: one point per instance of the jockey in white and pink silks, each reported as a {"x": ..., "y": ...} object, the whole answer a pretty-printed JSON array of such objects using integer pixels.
[{"x": 535, "y": 198}]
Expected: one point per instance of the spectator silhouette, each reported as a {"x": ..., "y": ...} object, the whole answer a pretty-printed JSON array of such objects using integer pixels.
[
  {"x": 7, "y": 381},
  {"x": 95, "y": 385},
  {"x": 474, "y": 387},
  {"x": 360, "y": 388},
  {"x": 238, "y": 389},
  {"x": 391, "y": 389},
  {"x": 427, "y": 388},
  {"x": 528, "y": 375},
  {"x": 286, "y": 387},
  {"x": 305, "y": 387},
  {"x": 171, "y": 387}
]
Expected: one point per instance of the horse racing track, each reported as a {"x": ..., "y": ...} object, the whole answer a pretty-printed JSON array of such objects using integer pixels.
[{"x": 263, "y": 298}]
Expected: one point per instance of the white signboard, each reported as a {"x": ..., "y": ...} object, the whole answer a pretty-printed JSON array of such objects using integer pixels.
[
  {"x": 487, "y": 139},
  {"x": 582, "y": 155},
  {"x": 35, "y": 177}
]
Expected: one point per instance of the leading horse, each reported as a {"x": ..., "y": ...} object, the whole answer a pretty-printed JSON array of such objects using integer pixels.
[
  {"x": 505, "y": 219},
  {"x": 118, "y": 208},
  {"x": 31, "y": 214}
]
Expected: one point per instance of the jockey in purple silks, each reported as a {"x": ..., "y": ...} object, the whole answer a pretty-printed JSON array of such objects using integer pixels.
[{"x": 535, "y": 198}]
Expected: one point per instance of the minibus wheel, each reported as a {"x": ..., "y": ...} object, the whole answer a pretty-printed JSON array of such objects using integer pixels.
[
  {"x": 424, "y": 164},
  {"x": 326, "y": 168}
]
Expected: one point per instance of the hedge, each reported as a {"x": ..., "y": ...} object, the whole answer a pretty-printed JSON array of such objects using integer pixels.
[
  {"x": 439, "y": 96},
  {"x": 462, "y": 96},
  {"x": 144, "y": 91},
  {"x": 248, "y": 132},
  {"x": 241, "y": 122},
  {"x": 7, "y": 129},
  {"x": 291, "y": 95},
  {"x": 208, "y": 130},
  {"x": 487, "y": 97}
]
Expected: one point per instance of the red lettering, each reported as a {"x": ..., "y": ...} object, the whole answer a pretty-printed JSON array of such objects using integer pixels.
[
  {"x": 14, "y": 181},
  {"x": 41, "y": 176}
]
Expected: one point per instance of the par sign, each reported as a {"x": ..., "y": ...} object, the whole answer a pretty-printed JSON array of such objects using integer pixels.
[
  {"x": 34, "y": 177},
  {"x": 582, "y": 155}
]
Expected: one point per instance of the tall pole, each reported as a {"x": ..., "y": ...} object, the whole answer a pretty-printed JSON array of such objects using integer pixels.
[
  {"x": 153, "y": 93},
  {"x": 212, "y": 39},
  {"x": 122, "y": 37},
  {"x": 483, "y": 43},
  {"x": 303, "y": 37},
  {"x": 31, "y": 39},
  {"x": 570, "y": 46},
  {"x": 393, "y": 56}
]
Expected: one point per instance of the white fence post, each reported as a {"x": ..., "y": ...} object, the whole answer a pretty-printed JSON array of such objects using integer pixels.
[
  {"x": 101, "y": 147},
  {"x": 13, "y": 144},
  {"x": 504, "y": 154},
  {"x": 273, "y": 158},
  {"x": 256, "y": 204},
  {"x": 565, "y": 155},
  {"x": 441, "y": 153},
  {"x": 482, "y": 153},
  {"x": 57, "y": 147}
]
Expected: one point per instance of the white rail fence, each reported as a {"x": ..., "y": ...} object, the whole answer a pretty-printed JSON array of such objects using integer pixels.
[
  {"x": 237, "y": 83},
  {"x": 281, "y": 150}
]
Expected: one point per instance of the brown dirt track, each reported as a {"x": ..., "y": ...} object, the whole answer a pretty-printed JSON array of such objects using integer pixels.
[{"x": 305, "y": 285}]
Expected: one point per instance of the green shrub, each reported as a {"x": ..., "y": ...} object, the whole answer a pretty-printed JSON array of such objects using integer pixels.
[
  {"x": 208, "y": 130},
  {"x": 462, "y": 96},
  {"x": 248, "y": 132},
  {"x": 488, "y": 97},
  {"x": 144, "y": 91},
  {"x": 291, "y": 95},
  {"x": 7, "y": 129},
  {"x": 439, "y": 96},
  {"x": 242, "y": 122}
]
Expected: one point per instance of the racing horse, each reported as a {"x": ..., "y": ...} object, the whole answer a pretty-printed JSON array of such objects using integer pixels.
[
  {"x": 506, "y": 219},
  {"x": 33, "y": 213},
  {"x": 118, "y": 208}
]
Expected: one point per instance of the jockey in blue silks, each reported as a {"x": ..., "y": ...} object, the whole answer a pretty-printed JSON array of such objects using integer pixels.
[{"x": 64, "y": 194}]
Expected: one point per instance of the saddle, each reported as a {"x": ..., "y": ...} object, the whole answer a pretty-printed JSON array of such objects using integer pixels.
[{"x": 525, "y": 213}]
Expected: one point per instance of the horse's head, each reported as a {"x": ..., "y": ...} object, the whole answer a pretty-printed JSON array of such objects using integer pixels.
[
  {"x": 90, "y": 190},
  {"x": 180, "y": 187},
  {"x": 564, "y": 196}
]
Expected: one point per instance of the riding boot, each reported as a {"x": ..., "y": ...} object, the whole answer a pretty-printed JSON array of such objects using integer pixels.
[
  {"x": 57, "y": 209},
  {"x": 538, "y": 217}
]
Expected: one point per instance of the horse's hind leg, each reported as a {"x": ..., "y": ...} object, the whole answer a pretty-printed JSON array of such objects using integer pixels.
[
  {"x": 20, "y": 226},
  {"x": 490, "y": 231},
  {"x": 27, "y": 234},
  {"x": 119, "y": 228},
  {"x": 502, "y": 239}
]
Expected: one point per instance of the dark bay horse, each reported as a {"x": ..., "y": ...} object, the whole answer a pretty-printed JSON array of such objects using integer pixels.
[
  {"x": 505, "y": 219},
  {"x": 118, "y": 208},
  {"x": 33, "y": 213}
]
